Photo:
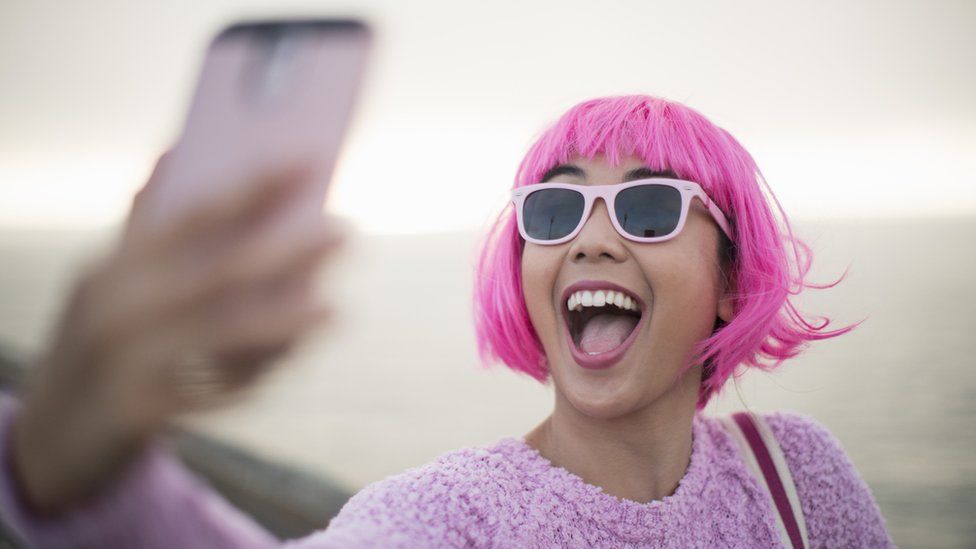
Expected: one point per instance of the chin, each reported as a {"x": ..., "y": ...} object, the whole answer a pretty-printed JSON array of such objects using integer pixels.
[
  {"x": 600, "y": 397},
  {"x": 611, "y": 396},
  {"x": 621, "y": 405}
]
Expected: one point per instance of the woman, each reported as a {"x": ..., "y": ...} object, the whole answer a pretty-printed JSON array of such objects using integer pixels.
[{"x": 638, "y": 310}]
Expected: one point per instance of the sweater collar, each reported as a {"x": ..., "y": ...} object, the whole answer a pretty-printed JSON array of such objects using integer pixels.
[{"x": 626, "y": 517}]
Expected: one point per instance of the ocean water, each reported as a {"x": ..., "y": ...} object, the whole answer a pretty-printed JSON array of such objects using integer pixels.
[{"x": 395, "y": 381}]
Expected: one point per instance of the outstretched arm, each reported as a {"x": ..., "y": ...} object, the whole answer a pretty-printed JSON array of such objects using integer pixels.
[
  {"x": 155, "y": 502},
  {"x": 172, "y": 320}
]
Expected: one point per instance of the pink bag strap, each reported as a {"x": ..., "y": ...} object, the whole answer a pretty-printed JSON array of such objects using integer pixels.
[{"x": 764, "y": 458}]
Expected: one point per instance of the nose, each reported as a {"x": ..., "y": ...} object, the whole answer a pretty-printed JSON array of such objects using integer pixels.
[{"x": 598, "y": 240}]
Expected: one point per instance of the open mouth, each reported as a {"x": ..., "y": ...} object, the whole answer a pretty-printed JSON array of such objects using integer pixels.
[{"x": 601, "y": 324}]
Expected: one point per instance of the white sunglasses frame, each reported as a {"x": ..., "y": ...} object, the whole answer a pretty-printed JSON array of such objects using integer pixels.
[{"x": 688, "y": 190}]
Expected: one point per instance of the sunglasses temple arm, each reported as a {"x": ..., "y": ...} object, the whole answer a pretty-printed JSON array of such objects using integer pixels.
[
  {"x": 717, "y": 215},
  {"x": 720, "y": 218}
]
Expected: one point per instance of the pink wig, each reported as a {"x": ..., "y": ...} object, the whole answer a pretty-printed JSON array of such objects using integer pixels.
[{"x": 767, "y": 263}]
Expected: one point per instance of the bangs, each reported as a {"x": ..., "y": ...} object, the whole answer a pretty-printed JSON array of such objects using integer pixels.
[{"x": 663, "y": 135}]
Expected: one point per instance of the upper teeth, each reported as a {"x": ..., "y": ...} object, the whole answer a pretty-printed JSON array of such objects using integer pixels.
[{"x": 599, "y": 298}]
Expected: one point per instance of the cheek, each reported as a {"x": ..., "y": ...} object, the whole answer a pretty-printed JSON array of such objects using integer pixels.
[
  {"x": 539, "y": 269},
  {"x": 685, "y": 305}
]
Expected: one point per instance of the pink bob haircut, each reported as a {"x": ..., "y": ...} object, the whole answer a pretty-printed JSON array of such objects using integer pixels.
[{"x": 766, "y": 262}]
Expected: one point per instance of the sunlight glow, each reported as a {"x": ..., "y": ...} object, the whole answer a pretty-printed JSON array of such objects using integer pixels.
[{"x": 415, "y": 179}]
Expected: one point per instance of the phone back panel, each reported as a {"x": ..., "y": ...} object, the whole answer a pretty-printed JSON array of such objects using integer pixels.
[{"x": 270, "y": 94}]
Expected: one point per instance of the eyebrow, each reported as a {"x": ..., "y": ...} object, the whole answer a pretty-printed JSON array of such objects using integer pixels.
[
  {"x": 637, "y": 173},
  {"x": 562, "y": 169}
]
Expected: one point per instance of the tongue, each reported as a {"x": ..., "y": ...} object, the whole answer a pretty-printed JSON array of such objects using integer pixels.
[{"x": 606, "y": 332}]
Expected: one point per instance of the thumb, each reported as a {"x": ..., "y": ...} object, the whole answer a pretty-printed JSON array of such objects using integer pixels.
[{"x": 154, "y": 177}]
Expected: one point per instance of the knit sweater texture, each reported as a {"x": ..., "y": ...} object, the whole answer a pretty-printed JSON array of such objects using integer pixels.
[{"x": 501, "y": 495}]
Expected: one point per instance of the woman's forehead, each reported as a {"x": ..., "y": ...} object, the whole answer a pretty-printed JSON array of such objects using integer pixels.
[
  {"x": 600, "y": 166},
  {"x": 603, "y": 161},
  {"x": 605, "y": 173}
]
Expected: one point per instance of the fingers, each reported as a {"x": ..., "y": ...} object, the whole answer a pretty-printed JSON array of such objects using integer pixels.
[
  {"x": 141, "y": 198},
  {"x": 241, "y": 368},
  {"x": 233, "y": 212},
  {"x": 244, "y": 304},
  {"x": 265, "y": 257},
  {"x": 231, "y": 347},
  {"x": 141, "y": 297},
  {"x": 190, "y": 366},
  {"x": 274, "y": 312},
  {"x": 156, "y": 175},
  {"x": 271, "y": 316}
]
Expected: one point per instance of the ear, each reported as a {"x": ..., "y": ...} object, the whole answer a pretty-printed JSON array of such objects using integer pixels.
[
  {"x": 725, "y": 299},
  {"x": 725, "y": 307}
]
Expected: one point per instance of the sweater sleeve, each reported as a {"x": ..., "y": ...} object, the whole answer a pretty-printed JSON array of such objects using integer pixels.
[
  {"x": 155, "y": 503},
  {"x": 441, "y": 504},
  {"x": 838, "y": 506}
]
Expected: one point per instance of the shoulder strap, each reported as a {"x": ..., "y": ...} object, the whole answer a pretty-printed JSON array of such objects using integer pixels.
[{"x": 764, "y": 458}]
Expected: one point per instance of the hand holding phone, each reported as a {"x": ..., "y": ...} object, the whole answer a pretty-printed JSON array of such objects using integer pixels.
[{"x": 171, "y": 322}]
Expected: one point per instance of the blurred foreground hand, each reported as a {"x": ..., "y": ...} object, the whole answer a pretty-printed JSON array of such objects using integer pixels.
[{"x": 171, "y": 321}]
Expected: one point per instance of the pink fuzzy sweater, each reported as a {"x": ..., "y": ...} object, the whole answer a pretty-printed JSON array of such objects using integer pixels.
[{"x": 503, "y": 495}]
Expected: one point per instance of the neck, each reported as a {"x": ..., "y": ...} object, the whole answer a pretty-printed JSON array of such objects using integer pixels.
[{"x": 640, "y": 456}]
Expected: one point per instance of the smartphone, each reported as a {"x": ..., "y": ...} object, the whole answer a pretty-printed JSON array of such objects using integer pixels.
[{"x": 270, "y": 94}]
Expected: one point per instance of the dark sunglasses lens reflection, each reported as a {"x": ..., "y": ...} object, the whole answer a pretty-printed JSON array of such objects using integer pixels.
[
  {"x": 551, "y": 214},
  {"x": 648, "y": 211}
]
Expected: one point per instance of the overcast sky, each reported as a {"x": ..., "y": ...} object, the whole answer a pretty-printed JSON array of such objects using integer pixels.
[{"x": 850, "y": 108}]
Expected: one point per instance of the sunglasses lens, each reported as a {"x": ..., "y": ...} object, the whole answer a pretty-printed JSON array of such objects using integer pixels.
[
  {"x": 550, "y": 214},
  {"x": 648, "y": 211}
]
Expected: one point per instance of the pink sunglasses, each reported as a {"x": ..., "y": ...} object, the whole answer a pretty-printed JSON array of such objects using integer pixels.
[{"x": 646, "y": 210}]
